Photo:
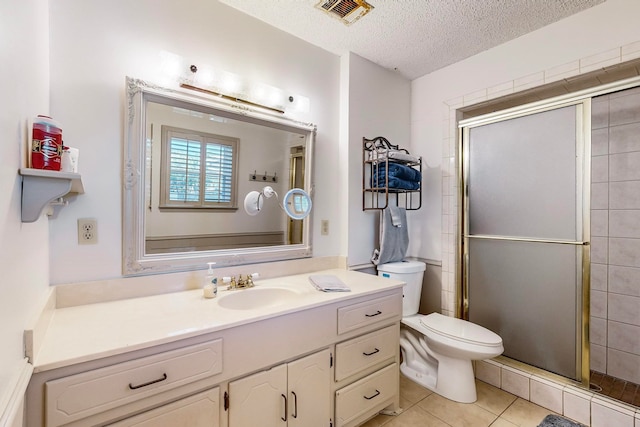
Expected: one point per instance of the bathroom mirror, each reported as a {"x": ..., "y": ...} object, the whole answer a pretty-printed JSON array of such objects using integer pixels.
[{"x": 189, "y": 160}]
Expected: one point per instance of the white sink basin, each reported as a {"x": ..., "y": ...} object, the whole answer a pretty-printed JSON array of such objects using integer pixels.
[{"x": 249, "y": 299}]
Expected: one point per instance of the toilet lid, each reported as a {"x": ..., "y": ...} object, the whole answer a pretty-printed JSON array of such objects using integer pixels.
[{"x": 459, "y": 329}]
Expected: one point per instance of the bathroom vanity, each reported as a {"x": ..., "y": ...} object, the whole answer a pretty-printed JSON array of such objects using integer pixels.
[{"x": 279, "y": 354}]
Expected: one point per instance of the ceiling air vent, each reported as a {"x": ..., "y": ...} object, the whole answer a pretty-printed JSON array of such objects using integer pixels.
[{"x": 348, "y": 11}]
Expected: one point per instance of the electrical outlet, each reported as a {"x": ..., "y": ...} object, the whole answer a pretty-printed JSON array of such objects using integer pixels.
[
  {"x": 87, "y": 231},
  {"x": 324, "y": 227}
]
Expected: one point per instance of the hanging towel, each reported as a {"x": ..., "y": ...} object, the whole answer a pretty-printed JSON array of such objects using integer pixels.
[{"x": 394, "y": 236}]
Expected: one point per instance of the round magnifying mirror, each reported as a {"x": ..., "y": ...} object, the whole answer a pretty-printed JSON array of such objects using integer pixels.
[
  {"x": 297, "y": 203},
  {"x": 253, "y": 203}
]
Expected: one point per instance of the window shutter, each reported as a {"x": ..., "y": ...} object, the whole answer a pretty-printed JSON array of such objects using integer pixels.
[
  {"x": 218, "y": 184},
  {"x": 185, "y": 165}
]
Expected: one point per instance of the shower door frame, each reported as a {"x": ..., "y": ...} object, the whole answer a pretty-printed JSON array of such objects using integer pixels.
[{"x": 583, "y": 211}]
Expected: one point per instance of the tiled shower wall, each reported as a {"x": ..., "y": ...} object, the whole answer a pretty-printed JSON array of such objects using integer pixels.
[
  {"x": 615, "y": 231},
  {"x": 584, "y": 406}
]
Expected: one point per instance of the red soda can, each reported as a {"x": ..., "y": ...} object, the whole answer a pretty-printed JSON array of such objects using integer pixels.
[{"x": 46, "y": 144}]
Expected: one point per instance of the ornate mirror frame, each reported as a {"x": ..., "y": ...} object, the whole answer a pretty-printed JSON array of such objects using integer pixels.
[{"x": 134, "y": 259}]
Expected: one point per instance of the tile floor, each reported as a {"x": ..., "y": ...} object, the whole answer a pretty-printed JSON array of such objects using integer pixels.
[
  {"x": 494, "y": 407},
  {"x": 616, "y": 388}
]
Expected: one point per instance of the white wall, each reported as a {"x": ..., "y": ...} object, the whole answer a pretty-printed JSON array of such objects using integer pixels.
[
  {"x": 94, "y": 45},
  {"x": 379, "y": 103},
  {"x": 24, "y": 248},
  {"x": 596, "y": 30}
]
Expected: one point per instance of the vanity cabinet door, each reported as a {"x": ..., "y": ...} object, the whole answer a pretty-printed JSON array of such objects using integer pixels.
[
  {"x": 199, "y": 410},
  {"x": 296, "y": 394},
  {"x": 259, "y": 399},
  {"x": 310, "y": 391}
]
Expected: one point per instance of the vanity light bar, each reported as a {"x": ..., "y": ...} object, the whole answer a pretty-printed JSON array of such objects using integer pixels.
[{"x": 227, "y": 97}]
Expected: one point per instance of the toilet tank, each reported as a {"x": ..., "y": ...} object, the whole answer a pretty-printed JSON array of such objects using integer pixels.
[{"x": 410, "y": 272}]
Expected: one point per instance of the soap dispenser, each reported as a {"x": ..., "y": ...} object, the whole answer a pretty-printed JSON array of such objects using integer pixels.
[{"x": 210, "y": 283}]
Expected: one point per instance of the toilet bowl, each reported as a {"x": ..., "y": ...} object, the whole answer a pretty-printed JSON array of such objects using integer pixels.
[{"x": 437, "y": 350}]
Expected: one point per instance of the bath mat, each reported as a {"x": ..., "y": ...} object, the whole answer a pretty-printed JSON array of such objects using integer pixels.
[{"x": 558, "y": 421}]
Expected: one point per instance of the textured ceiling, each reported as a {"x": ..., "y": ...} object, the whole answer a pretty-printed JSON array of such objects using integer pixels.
[{"x": 414, "y": 37}]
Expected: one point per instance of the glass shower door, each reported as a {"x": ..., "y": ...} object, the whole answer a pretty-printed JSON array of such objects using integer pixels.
[{"x": 523, "y": 239}]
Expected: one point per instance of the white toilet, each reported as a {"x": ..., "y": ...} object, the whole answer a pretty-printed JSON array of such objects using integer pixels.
[{"x": 437, "y": 350}]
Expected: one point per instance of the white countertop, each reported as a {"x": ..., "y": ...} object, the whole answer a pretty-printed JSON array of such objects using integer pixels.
[{"x": 88, "y": 332}]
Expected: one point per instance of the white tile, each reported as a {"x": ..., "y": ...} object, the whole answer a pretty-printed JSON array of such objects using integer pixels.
[
  {"x": 600, "y": 112},
  {"x": 623, "y": 280},
  {"x": 598, "y": 356},
  {"x": 527, "y": 82},
  {"x": 500, "y": 90},
  {"x": 607, "y": 414},
  {"x": 623, "y": 337},
  {"x": 600, "y": 60},
  {"x": 562, "y": 72},
  {"x": 624, "y": 166},
  {"x": 622, "y": 195},
  {"x": 599, "y": 250},
  {"x": 598, "y": 306},
  {"x": 488, "y": 372},
  {"x": 454, "y": 103},
  {"x": 600, "y": 196},
  {"x": 623, "y": 365},
  {"x": 600, "y": 222},
  {"x": 475, "y": 97},
  {"x": 600, "y": 169},
  {"x": 600, "y": 142},
  {"x": 622, "y": 139},
  {"x": 577, "y": 405},
  {"x": 515, "y": 382},
  {"x": 598, "y": 331},
  {"x": 624, "y": 108},
  {"x": 599, "y": 278},
  {"x": 546, "y": 394},
  {"x": 630, "y": 51},
  {"x": 624, "y": 223},
  {"x": 625, "y": 252}
]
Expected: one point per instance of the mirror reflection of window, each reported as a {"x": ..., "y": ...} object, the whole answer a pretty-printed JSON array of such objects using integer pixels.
[{"x": 197, "y": 169}]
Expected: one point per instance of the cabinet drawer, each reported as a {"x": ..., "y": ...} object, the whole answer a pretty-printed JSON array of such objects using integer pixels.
[
  {"x": 200, "y": 410},
  {"x": 369, "y": 312},
  {"x": 366, "y": 397},
  {"x": 362, "y": 352},
  {"x": 78, "y": 396}
]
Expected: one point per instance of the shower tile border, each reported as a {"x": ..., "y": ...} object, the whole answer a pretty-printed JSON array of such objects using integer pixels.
[{"x": 576, "y": 403}]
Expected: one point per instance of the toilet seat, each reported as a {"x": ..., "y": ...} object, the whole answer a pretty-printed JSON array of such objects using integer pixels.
[
  {"x": 450, "y": 329},
  {"x": 460, "y": 330}
]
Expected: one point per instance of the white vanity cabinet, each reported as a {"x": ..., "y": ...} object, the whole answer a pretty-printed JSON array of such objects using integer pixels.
[
  {"x": 330, "y": 363},
  {"x": 296, "y": 394}
]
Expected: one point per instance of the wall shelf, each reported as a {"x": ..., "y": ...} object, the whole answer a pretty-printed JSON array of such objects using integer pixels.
[
  {"x": 376, "y": 156},
  {"x": 41, "y": 188}
]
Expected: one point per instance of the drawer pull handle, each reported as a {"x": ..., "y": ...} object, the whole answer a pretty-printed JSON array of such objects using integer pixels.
[
  {"x": 135, "y": 387},
  {"x": 377, "y": 313},
  {"x": 286, "y": 408},
  {"x": 377, "y": 350},
  {"x": 295, "y": 405},
  {"x": 377, "y": 393}
]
